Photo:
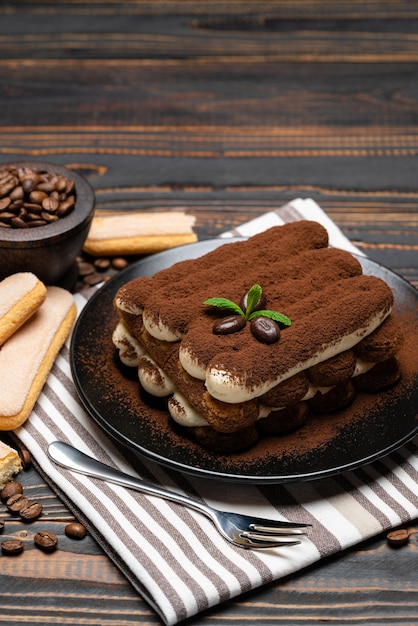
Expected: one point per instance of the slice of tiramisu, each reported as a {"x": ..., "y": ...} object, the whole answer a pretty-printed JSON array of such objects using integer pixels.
[{"x": 252, "y": 337}]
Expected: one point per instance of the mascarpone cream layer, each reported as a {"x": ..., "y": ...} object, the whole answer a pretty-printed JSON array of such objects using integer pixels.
[
  {"x": 159, "y": 330},
  {"x": 153, "y": 379},
  {"x": 130, "y": 350},
  {"x": 127, "y": 307},
  {"x": 183, "y": 413}
]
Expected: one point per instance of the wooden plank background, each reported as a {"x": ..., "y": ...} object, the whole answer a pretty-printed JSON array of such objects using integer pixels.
[{"x": 226, "y": 109}]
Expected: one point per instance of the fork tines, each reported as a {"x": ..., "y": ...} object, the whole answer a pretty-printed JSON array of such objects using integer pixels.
[
  {"x": 267, "y": 540},
  {"x": 281, "y": 528}
]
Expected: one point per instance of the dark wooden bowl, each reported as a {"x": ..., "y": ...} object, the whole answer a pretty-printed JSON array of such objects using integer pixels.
[{"x": 49, "y": 251}]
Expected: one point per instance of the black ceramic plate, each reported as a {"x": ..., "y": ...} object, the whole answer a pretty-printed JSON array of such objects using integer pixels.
[{"x": 371, "y": 428}]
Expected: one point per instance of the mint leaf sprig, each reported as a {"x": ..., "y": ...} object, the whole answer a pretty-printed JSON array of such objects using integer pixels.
[
  {"x": 273, "y": 315},
  {"x": 224, "y": 303},
  {"x": 253, "y": 299}
]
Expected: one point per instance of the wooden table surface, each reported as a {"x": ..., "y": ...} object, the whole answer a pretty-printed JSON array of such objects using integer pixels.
[{"x": 225, "y": 109}]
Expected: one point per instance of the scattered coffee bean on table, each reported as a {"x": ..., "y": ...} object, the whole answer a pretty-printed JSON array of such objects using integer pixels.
[
  {"x": 31, "y": 512},
  {"x": 119, "y": 263},
  {"x": 10, "y": 489},
  {"x": 17, "y": 502},
  {"x": 46, "y": 540},
  {"x": 101, "y": 264},
  {"x": 93, "y": 271},
  {"x": 85, "y": 268},
  {"x": 75, "y": 530},
  {"x": 12, "y": 547},
  {"x": 398, "y": 537},
  {"x": 93, "y": 279},
  {"x": 25, "y": 458},
  {"x": 1, "y": 525}
]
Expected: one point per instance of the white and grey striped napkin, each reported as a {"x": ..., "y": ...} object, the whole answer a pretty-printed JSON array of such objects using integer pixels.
[{"x": 172, "y": 555}]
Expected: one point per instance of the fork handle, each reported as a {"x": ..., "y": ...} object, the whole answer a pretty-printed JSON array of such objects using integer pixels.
[{"x": 69, "y": 457}]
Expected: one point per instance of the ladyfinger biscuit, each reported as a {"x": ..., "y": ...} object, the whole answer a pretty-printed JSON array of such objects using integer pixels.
[
  {"x": 138, "y": 233},
  {"x": 10, "y": 463},
  {"x": 21, "y": 295},
  {"x": 27, "y": 357}
]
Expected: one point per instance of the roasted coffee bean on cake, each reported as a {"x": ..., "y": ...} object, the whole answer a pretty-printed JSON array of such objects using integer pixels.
[{"x": 257, "y": 335}]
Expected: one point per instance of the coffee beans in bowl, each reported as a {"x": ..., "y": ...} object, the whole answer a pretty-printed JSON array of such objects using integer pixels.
[{"x": 45, "y": 215}]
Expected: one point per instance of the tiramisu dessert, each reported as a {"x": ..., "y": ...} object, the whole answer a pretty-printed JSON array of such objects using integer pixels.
[{"x": 250, "y": 339}]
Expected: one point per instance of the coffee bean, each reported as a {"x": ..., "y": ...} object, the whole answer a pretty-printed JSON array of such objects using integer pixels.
[
  {"x": 6, "y": 216},
  {"x": 33, "y": 217},
  {"x": 17, "y": 194},
  {"x": 17, "y": 222},
  {"x": 49, "y": 217},
  {"x": 46, "y": 186},
  {"x": 29, "y": 184},
  {"x": 265, "y": 330},
  {"x": 61, "y": 184},
  {"x": 17, "y": 502},
  {"x": 25, "y": 458},
  {"x": 12, "y": 547},
  {"x": 46, "y": 540},
  {"x": 5, "y": 176},
  {"x": 84, "y": 268},
  {"x": 101, "y": 264},
  {"x": 32, "y": 207},
  {"x": 1, "y": 525},
  {"x": 50, "y": 204},
  {"x": 398, "y": 537},
  {"x": 119, "y": 263},
  {"x": 6, "y": 188},
  {"x": 10, "y": 489},
  {"x": 228, "y": 325},
  {"x": 93, "y": 279},
  {"x": 66, "y": 206},
  {"x": 31, "y": 511},
  {"x": 75, "y": 530},
  {"x": 4, "y": 203},
  {"x": 37, "y": 197}
]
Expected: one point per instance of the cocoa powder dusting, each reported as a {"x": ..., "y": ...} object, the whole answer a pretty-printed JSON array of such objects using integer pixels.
[
  {"x": 318, "y": 319},
  {"x": 177, "y": 293},
  {"x": 325, "y": 300}
]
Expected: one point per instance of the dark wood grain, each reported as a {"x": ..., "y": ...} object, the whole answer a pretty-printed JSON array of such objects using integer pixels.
[{"x": 226, "y": 109}]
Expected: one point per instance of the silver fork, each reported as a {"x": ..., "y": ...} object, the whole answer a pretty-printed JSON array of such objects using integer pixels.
[{"x": 244, "y": 531}]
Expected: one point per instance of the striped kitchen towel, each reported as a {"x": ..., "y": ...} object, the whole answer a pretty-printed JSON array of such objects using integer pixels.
[{"x": 174, "y": 556}]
